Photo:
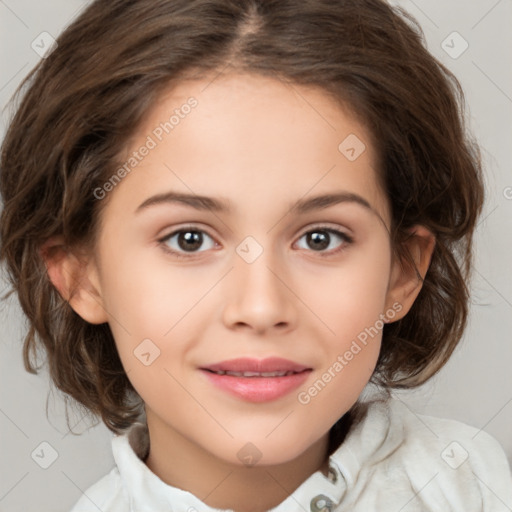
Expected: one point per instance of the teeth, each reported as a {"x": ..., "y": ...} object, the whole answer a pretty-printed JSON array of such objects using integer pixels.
[
  {"x": 255, "y": 374},
  {"x": 243, "y": 374}
]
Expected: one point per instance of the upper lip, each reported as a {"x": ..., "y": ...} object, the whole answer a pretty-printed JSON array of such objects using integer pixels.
[{"x": 245, "y": 364}]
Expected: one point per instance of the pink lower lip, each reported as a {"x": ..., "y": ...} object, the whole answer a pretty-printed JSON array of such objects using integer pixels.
[{"x": 258, "y": 389}]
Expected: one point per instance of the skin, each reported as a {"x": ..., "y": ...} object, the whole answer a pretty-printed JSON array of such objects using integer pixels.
[{"x": 261, "y": 145}]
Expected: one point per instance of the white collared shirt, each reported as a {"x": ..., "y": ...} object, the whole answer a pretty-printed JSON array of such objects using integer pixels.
[{"x": 393, "y": 461}]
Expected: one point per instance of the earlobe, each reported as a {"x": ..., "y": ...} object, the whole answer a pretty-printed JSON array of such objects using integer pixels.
[
  {"x": 406, "y": 281},
  {"x": 76, "y": 280}
]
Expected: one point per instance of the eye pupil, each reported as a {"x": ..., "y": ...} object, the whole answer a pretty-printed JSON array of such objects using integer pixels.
[
  {"x": 319, "y": 239},
  {"x": 189, "y": 240}
]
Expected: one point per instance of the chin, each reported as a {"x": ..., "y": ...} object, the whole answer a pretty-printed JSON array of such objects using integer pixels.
[{"x": 262, "y": 451}]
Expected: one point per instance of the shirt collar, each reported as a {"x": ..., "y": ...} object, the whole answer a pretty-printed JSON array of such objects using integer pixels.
[{"x": 378, "y": 434}]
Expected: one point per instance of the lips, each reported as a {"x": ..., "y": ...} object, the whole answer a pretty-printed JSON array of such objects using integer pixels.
[{"x": 256, "y": 380}]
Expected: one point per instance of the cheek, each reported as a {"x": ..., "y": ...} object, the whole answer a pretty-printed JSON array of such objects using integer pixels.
[
  {"x": 352, "y": 308},
  {"x": 154, "y": 309},
  {"x": 350, "y": 297},
  {"x": 350, "y": 303},
  {"x": 148, "y": 296}
]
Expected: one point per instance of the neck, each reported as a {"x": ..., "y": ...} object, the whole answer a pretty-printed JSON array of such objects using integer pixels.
[{"x": 181, "y": 463}]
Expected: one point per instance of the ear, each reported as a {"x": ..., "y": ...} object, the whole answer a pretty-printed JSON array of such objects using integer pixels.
[
  {"x": 405, "y": 283},
  {"x": 75, "y": 277}
]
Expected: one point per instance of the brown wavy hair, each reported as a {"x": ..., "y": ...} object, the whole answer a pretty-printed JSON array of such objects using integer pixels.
[{"x": 80, "y": 106}]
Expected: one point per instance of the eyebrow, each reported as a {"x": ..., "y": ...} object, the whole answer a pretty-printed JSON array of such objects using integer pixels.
[{"x": 302, "y": 206}]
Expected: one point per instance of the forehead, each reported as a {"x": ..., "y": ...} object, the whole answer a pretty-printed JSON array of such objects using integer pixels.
[{"x": 250, "y": 136}]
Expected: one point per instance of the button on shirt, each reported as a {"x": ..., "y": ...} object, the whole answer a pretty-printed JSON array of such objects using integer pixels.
[{"x": 393, "y": 460}]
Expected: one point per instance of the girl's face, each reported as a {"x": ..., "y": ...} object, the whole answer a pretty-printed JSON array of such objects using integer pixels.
[{"x": 216, "y": 246}]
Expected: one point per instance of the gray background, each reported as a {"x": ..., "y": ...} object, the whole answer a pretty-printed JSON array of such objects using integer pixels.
[{"x": 474, "y": 387}]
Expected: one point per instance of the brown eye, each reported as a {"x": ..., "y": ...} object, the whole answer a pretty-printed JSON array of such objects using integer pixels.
[
  {"x": 318, "y": 240},
  {"x": 190, "y": 240},
  {"x": 321, "y": 239},
  {"x": 187, "y": 240}
]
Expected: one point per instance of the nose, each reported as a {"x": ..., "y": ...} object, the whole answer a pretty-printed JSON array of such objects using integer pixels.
[{"x": 259, "y": 296}]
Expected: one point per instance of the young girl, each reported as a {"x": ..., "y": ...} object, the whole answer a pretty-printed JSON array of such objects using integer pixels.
[{"x": 226, "y": 221}]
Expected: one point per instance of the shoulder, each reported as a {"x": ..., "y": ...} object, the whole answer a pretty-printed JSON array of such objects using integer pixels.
[
  {"x": 106, "y": 494},
  {"x": 454, "y": 462},
  {"x": 397, "y": 459},
  {"x": 459, "y": 443}
]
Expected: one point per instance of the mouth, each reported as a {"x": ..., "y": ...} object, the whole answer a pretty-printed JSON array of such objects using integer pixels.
[
  {"x": 252, "y": 374},
  {"x": 248, "y": 367},
  {"x": 255, "y": 380}
]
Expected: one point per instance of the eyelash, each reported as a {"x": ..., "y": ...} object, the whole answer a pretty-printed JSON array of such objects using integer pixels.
[{"x": 348, "y": 240}]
